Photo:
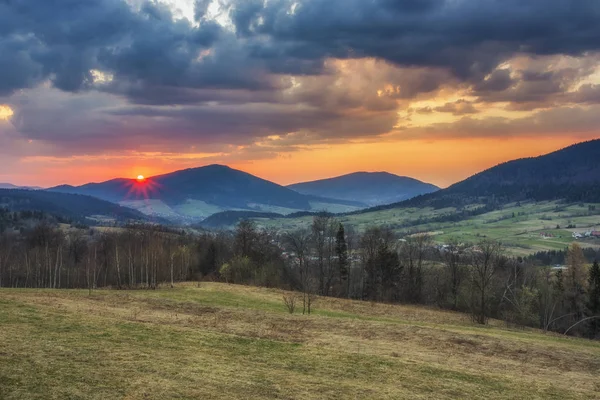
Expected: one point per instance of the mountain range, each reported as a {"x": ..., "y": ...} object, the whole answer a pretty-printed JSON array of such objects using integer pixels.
[
  {"x": 192, "y": 195},
  {"x": 196, "y": 193},
  {"x": 370, "y": 188},
  {"x": 571, "y": 174}
]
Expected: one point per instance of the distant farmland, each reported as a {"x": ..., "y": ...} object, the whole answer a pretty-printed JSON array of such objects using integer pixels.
[{"x": 520, "y": 227}]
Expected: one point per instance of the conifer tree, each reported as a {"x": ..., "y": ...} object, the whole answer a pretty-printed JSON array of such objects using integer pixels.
[
  {"x": 594, "y": 299},
  {"x": 341, "y": 250}
]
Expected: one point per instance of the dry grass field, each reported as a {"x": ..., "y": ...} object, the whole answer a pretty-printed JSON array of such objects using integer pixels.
[{"x": 225, "y": 342}]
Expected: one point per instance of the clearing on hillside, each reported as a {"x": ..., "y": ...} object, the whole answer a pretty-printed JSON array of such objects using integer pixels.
[{"x": 221, "y": 341}]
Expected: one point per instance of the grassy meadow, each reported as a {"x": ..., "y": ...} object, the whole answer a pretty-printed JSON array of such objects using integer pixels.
[
  {"x": 222, "y": 341},
  {"x": 518, "y": 226}
]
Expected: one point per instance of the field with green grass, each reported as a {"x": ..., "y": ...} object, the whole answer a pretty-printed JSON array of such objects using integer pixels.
[
  {"x": 523, "y": 228},
  {"x": 222, "y": 341}
]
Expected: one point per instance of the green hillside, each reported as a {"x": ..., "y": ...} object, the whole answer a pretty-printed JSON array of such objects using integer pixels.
[{"x": 520, "y": 226}]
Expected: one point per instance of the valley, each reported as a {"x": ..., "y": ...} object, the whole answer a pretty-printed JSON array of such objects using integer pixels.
[{"x": 520, "y": 227}]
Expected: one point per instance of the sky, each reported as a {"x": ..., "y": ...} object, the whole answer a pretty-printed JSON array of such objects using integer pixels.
[{"x": 292, "y": 90}]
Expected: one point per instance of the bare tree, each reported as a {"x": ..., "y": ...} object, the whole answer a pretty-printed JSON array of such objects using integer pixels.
[
  {"x": 452, "y": 255},
  {"x": 245, "y": 238},
  {"x": 320, "y": 227},
  {"x": 483, "y": 264},
  {"x": 412, "y": 253},
  {"x": 299, "y": 244},
  {"x": 6, "y": 248}
]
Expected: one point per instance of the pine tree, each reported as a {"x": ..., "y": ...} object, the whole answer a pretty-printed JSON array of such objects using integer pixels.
[
  {"x": 208, "y": 264},
  {"x": 594, "y": 280},
  {"x": 559, "y": 284},
  {"x": 341, "y": 250},
  {"x": 594, "y": 298}
]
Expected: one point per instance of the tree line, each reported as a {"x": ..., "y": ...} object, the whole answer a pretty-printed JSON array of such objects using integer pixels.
[
  {"x": 327, "y": 259},
  {"x": 49, "y": 255}
]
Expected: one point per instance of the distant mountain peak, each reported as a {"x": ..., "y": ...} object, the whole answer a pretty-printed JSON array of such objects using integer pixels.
[
  {"x": 202, "y": 190},
  {"x": 372, "y": 188}
]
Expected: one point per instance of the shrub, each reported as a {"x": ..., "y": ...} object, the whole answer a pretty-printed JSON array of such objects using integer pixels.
[{"x": 290, "y": 302}]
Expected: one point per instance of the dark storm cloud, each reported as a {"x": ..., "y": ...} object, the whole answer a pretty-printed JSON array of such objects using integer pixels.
[
  {"x": 201, "y": 82},
  {"x": 468, "y": 37},
  {"x": 58, "y": 40},
  {"x": 62, "y": 40},
  {"x": 542, "y": 84}
]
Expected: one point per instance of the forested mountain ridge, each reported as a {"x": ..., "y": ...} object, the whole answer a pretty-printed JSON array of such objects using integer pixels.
[
  {"x": 572, "y": 174},
  {"x": 71, "y": 206}
]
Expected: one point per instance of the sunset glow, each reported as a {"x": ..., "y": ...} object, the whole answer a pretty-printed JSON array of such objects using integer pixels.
[
  {"x": 412, "y": 101},
  {"x": 432, "y": 167}
]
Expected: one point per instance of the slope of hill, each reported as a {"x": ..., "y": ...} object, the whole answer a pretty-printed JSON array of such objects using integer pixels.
[
  {"x": 75, "y": 207},
  {"x": 371, "y": 188},
  {"x": 220, "y": 341},
  {"x": 199, "y": 192},
  {"x": 523, "y": 228},
  {"x": 571, "y": 174},
  {"x": 228, "y": 219}
]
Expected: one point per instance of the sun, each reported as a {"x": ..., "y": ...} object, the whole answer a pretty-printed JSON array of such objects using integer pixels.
[
  {"x": 5, "y": 112},
  {"x": 140, "y": 178}
]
